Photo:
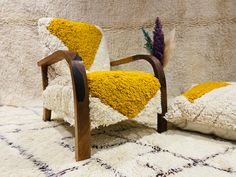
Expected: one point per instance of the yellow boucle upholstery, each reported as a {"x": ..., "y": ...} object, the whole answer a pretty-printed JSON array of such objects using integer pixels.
[
  {"x": 77, "y": 36},
  {"x": 201, "y": 89},
  {"x": 125, "y": 91}
]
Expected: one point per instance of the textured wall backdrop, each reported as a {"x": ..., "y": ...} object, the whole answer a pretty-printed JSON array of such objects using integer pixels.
[{"x": 205, "y": 43}]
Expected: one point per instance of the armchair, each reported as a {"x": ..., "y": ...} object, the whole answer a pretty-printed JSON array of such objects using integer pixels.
[{"x": 76, "y": 95}]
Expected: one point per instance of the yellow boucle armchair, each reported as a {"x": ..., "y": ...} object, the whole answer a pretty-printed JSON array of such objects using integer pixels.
[{"x": 79, "y": 86}]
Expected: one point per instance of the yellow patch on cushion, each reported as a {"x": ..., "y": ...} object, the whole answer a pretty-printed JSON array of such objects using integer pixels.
[
  {"x": 201, "y": 89},
  {"x": 125, "y": 91},
  {"x": 80, "y": 37}
]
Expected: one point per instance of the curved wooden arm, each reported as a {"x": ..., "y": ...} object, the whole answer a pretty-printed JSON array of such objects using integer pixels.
[
  {"x": 159, "y": 73},
  {"x": 81, "y": 97},
  {"x": 77, "y": 69},
  {"x": 56, "y": 57}
]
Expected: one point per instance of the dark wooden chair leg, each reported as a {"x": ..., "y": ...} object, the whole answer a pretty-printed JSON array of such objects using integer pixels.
[
  {"x": 46, "y": 114},
  {"x": 82, "y": 141},
  {"x": 81, "y": 104},
  {"x": 81, "y": 99},
  {"x": 162, "y": 124}
]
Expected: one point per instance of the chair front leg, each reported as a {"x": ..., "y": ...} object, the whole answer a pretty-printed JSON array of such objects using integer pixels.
[
  {"x": 82, "y": 134},
  {"x": 81, "y": 99},
  {"x": 81, "y": 105}
]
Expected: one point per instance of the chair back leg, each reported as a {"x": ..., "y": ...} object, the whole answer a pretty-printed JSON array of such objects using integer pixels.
[
  {"x": 82, "y": 139},
  {"x": 46, "y": 114},
  {"x": 162, "y": 123}
]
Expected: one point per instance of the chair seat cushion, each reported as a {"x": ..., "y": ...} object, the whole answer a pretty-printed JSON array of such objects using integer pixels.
[
  {"x": 208, "y": 108},
  {"x": 124, "y": 94},
  {"x": 125, "y": 91}
]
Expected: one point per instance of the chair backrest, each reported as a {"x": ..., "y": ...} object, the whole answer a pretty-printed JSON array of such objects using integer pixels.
[{"x": 85, "y": 39}]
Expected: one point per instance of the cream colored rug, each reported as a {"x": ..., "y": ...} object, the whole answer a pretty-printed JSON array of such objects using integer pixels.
[{"x": 31, "y": 147}]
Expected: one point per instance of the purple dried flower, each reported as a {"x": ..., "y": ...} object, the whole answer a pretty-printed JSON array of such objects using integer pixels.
[{"x": 158, "y": 41}]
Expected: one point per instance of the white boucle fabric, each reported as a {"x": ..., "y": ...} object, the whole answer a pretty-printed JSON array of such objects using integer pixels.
[
  {"x": 212, "y": 113},
  {"x": 101, "y": 60},
  {"x": 50, "y": 45},
  {"x": 58, "y": 97},
  {"x": 104, "y": 115}
]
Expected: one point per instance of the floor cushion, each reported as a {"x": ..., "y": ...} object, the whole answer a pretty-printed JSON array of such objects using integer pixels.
[
  {"x": 114, "y": 96},
  {"x": 208, "y": 108}
]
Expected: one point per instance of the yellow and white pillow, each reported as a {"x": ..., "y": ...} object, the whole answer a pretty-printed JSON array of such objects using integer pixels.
[
  {"x": 114, "y": 95},
  {"x": 208, "y": 108},
  {"x": 85, "y": 39}
]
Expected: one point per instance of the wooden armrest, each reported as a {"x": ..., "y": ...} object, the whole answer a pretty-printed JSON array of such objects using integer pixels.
[
  {"x": 56, "y": 57},
  {"x": 77, "y": 69},
  {"x": 159, "y": 73},
  {"x": 156, "y": 65}
]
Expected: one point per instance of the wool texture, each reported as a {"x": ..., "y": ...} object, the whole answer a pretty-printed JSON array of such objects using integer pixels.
[
  {"x": 52, "y": 43},
  {"x": 212, "y": 113},
  {"x": 125, "y": 91},
  {"x": 201, "y": 89},
  {"x": 77, "y": 36},
  {"x": 58, "y": 97}
]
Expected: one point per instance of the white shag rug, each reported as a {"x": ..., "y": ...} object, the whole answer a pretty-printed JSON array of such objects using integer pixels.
[{"x": 30, "y": 147}]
